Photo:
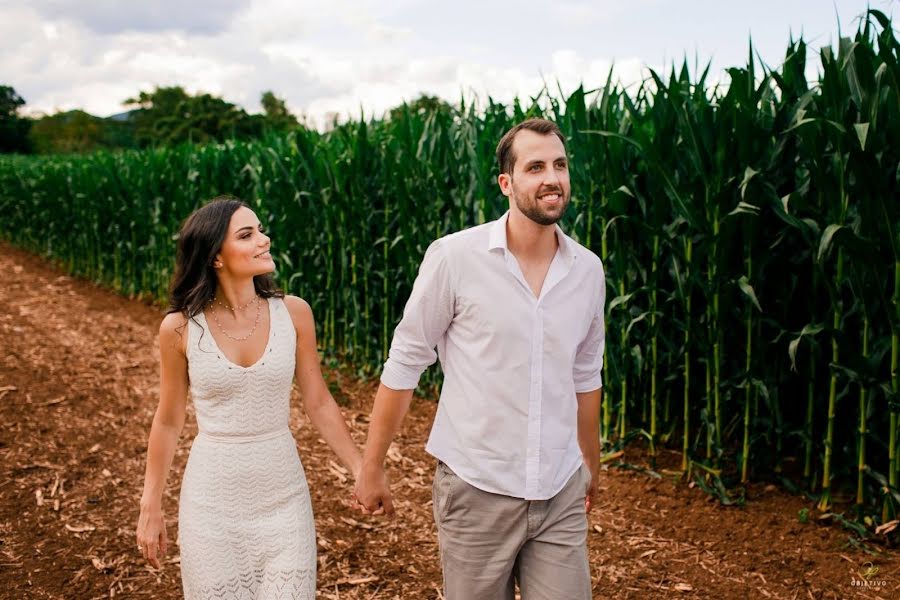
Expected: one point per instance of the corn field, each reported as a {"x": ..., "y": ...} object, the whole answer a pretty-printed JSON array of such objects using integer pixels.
[{"x": 750, "y": 233}]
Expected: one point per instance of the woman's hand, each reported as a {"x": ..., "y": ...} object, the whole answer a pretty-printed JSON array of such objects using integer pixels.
[
  {"x": 164, "y": 433},
  {"x": 151, "y": 535},
  {"x": 372, "y": 493}
]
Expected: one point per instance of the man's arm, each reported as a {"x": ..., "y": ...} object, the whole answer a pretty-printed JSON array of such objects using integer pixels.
[
  {"x": 589, "y": 439},
  {"x": 372, "y": 488},
  {"x": 588, "y": 376},
  {"x": 426, "y": 317}
]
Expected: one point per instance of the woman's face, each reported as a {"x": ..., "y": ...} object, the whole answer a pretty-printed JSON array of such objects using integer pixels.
[{"x": 245, "y": 250}]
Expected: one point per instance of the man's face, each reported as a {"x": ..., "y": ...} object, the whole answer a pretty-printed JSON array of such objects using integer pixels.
[{"x": 539, "y": 184}]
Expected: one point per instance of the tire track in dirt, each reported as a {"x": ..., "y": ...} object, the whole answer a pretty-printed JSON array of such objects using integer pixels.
[{"x": 78, "y": 387}]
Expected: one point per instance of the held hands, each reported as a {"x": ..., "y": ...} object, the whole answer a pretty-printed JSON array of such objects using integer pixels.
[
  {"x": 151, "y": 535},
  {"x": 372, "y": 494}
]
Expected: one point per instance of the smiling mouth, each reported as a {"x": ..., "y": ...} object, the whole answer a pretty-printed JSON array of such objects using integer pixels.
[
  {"x": 265, "y": 254},
  {"x": 551, "y": 197}
]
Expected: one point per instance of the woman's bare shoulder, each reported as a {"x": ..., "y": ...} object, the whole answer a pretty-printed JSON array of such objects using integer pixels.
[
  {"x": 173, "y": 330},
  {"x": 300, "y": 311}
]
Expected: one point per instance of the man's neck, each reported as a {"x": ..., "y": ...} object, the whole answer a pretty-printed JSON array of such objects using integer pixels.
[{"x": 528, "y": 240}]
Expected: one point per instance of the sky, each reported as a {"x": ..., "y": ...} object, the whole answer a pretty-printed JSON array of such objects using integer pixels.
[{"x": 346, "y": 57}]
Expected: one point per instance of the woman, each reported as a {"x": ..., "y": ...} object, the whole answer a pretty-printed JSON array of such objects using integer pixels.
[{"x": 245, "y": 521}]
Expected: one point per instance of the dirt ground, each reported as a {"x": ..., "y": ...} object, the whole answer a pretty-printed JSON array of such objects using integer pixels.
[{"x": 78, "y": 388}]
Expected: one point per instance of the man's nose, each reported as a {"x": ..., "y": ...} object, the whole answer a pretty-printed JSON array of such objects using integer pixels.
[{"x": 551, "y": 177}]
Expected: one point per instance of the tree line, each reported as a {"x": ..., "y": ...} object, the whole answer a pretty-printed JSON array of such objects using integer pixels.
[{"x": 166, "y": 116}]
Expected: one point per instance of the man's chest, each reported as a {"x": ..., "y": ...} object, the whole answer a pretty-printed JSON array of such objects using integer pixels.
[{"x": 503, "y": 308}]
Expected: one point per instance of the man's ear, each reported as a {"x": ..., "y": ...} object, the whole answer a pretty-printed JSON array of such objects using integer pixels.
[{"x": 505, "y": 182}]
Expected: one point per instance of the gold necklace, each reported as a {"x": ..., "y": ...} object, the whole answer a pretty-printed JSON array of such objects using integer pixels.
[
  {"x": 225, "y": 305},
  {"x": 252, "y": 331}
]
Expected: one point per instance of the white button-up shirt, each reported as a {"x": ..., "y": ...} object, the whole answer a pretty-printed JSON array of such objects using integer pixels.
[{"x": 507, "y": 418}]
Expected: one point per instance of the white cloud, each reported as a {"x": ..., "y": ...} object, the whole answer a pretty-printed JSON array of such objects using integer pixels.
[
  {"x": 329, "y": 57},
  {"x": 113, "y": 16},
  {"x": 68, "y": 66},
  {"x": 50, "y": 31}
]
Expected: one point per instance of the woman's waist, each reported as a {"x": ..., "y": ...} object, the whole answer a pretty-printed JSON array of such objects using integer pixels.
[{"x": 242, "y": 436}]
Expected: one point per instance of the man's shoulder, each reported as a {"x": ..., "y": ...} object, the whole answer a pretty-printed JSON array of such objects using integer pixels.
[
  {"x": 588, "y": 270},
  {"x": 465, "y": 239},
  {"x": 584, "y": 254}
]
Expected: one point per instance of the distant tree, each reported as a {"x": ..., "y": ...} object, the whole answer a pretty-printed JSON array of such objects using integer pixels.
[
  {"x": 423, "y": 104},
  {"x": 118, "y": 131},
  {"x": 64, "y": 132},
  {"x": 78, "y": 131},
  {"x": 169, "y": 115},
  {"x": 277, "y": 115},
  {"x": 13, "y": 128}
]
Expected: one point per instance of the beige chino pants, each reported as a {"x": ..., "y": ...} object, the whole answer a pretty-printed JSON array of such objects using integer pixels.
[{"x": 489, "y": 542}]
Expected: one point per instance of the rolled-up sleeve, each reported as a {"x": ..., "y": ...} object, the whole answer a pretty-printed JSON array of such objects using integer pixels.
[
  {"x": 426, "y": 317},
  {"x": 587, "y": 371}
]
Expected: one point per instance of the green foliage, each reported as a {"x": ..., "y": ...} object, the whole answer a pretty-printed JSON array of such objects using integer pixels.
[
  {"x": 750, "y": 233},
  {"x": 277, "y": 115},
  {"x": 425, "y": 104},
  {"x": 169, "y": 115},
  {"x": 79, "y": 132},
  {"x": 13, "y": 128},
  {"x": 166, "y": 116}
]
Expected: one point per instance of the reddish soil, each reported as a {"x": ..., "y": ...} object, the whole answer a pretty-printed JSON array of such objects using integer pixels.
[{"x": 78, "y": 388}]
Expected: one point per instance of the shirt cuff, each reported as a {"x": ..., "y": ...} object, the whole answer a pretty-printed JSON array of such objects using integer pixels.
[
  {"x": 398, "y": 376},
  {"x": 594, "y": 383}
]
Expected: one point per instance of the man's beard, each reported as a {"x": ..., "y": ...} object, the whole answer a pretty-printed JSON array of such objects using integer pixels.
[{"x": 533, "y": 210}]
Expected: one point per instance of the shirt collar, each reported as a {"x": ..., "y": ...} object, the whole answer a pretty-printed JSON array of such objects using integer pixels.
[{"x": 497, "y": 238}]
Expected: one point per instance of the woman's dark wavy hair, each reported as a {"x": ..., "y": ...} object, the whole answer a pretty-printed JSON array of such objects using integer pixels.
[{"x": 199, "y": 240}]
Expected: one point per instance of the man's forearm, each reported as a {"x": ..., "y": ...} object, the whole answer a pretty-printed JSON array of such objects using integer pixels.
[
  {"x": 387, "y": 415},
  {"x": 589, "y": 427}
]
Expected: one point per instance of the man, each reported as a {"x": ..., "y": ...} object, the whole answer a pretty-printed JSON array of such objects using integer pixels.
[{"x": 515, "y": 308}]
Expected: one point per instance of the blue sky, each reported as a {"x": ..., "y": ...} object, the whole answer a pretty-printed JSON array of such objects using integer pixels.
[{"x": 343, "y": 55}]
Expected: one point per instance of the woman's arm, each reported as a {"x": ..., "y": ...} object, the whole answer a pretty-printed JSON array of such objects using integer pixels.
[
  {"x": 164, "y": 433},
  {"x": 320, "y": 406}
]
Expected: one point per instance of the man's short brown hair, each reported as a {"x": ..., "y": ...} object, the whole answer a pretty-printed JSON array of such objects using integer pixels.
[{"x": 505, "y": 157}]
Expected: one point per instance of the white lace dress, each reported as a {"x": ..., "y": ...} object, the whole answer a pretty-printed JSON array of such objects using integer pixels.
[{"x": 245, "y": 521}]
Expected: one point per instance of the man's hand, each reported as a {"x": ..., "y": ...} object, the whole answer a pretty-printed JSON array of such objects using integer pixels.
[
  {"x": 373, "y": 492},
  {"x": 590, "y": 497}
]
